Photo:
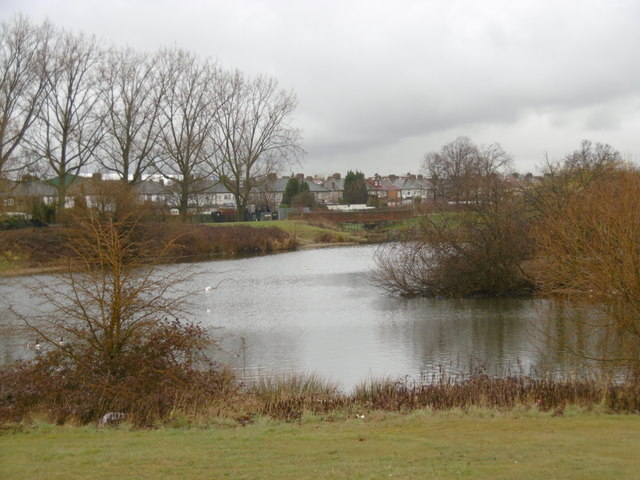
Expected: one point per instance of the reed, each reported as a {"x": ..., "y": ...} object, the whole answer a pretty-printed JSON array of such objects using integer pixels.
[
  {"x": 287, "y": 397},
  {"x": 216, "y": 397}
]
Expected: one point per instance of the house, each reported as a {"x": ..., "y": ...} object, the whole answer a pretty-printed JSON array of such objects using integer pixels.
[
  {"x": 335, "y": 186},
  {"x": 24, "y": 195},
  {"x": 388, "y": 193},
  {"x": 213, "y": 196},
  {"x": 21, "y": 197},
  {"x": 270, "y": 193},
  {"x": 155, "y": 193},
  {"x": 412, "y": 187}
]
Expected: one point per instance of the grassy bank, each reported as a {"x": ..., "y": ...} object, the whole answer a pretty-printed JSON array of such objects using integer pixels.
[
  {"x": 43, "y": 249},
  {"x": 30, "y": 250},
  {"x": 480, "y": 444},
  {"x": 306, "y": 233}
]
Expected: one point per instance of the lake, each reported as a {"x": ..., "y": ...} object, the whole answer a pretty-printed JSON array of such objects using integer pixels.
[{"x": 317, "y": 311}]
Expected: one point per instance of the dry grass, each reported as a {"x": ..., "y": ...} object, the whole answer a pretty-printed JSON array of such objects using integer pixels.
[
  {"x": 218, "y": 398},
  {"x": 35, "y": 248}
]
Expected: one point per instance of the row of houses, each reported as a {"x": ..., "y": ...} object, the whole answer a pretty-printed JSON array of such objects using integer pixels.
[{"x": 391, "y": 191}]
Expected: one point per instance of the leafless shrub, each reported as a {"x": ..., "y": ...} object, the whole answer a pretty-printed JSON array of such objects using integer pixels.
[
  {"x": 589, "y": 257},
  {"x": 475, "y": 251},
  {"x": 474, "y": 240},
  {"x": 111, "y": 336}
]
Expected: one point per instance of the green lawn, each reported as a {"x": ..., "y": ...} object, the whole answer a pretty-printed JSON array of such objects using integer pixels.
[{"x": 518, "y": 445}]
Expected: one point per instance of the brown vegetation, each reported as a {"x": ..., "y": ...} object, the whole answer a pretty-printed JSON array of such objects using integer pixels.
[
  {"x": 589, "y": 255},
  {"x": 110, "y": 328},
  {"x": 34, "y": 248},
  {"x": 572, "y": 236},
  {"x": 201, "y": 240},
  {"x": 213, "y": 396},
  {"x": 475, "y": 237}
]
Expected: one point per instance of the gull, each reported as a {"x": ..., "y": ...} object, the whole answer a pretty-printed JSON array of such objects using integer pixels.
[{"x": 208, "y": 289}]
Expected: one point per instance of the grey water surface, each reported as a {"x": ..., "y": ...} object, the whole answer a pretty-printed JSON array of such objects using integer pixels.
[{"x": 317, "y": 311}]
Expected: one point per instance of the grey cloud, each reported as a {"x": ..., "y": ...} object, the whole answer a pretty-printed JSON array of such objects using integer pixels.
[{"x": 377, "y": 79}]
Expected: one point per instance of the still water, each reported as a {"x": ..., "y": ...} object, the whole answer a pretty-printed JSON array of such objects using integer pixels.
[{"x": 317, "y": 311}]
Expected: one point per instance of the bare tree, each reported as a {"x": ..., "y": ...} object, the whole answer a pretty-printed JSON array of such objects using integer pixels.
[
  {"x": 460, "y": 169},
  {"x": 113, "y": 328},
  {"x": 111, "y": 289},
  {"x": 493, "y": 160},
  {"x": 478, "y": 246},
  {"x": 451, "y": 168},
  {"x": 188, "y": 112},
  {"x": 568, "y": 177},
  {"x": 23, "y": 60},
  {"x": 476, "y": 251},
  {"x": 254, "y": 136},
  {"x": 68, "y": 129},
  {"x": 131, "y": 95}
]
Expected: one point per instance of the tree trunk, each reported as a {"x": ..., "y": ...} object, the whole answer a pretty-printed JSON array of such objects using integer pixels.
[{"x": 183, "y": 208}]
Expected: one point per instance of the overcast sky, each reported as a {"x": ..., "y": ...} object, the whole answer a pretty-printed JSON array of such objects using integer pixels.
[{"x": 380, "y": 83}]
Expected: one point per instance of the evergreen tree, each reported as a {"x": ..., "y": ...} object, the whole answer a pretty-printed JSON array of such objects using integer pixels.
[
  {"x": 291, "y": 190},
  {"x": 297, "y": 194},
  {"x": 355, "y": 188}
]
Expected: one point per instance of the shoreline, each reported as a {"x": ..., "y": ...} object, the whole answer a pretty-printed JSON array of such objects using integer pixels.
[
  {"x": 28, "y": 271},
  {"x": 52, "y": 269}
]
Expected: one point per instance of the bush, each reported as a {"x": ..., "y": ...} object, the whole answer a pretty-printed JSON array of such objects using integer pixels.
[
  {"x": 38, "y": 247},
  {"x": 588, "y": 256},
  {"x": 121, "y": 351},
  {"x": 145, "y": 381},
  {"x": 478, "y": 250},
  {"x": 202, "y": 240}
]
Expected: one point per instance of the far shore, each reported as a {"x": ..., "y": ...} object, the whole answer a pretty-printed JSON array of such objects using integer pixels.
[{"x": 53, "y": 269}]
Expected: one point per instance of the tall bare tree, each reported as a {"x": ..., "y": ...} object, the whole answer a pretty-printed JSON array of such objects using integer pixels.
[
  {"x": 451, "y": 168},
  {"x": 460, "y": 169},
  {"x": 187, "y": 114},
  {"x": 23, "y": 60},
  {"x": 254, "y": 135},
  {"x": 131, "y": 95},
  {"x": 68, "y": 130}
]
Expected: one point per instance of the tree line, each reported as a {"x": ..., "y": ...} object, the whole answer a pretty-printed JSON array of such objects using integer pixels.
[
  {"x": 67, "y": 102},
  {"x": 571, "y": 235}
]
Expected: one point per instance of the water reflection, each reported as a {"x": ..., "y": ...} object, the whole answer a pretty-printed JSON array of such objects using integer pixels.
[{"x": 317, "y": 311}]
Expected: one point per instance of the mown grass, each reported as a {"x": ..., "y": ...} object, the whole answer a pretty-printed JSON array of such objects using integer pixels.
[{"x": 423, "y": 445}]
